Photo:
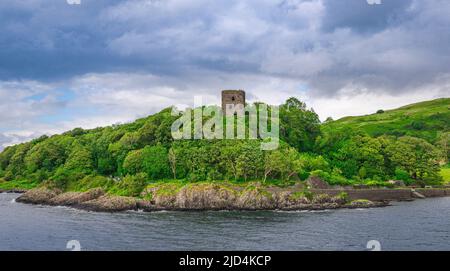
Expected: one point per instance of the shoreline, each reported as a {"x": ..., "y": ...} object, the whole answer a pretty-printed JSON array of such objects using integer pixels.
[
  {"x": 216, "y": 198},
  {"x": 146, "y": 209}
]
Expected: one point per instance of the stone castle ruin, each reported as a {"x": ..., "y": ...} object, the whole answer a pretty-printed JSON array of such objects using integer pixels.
[{"x": 233, "y": 101}]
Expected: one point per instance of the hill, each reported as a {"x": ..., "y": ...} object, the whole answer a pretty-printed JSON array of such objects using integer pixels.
[
  {"x": 124, "y": 159},
  {"x": 424, "y": 120}
]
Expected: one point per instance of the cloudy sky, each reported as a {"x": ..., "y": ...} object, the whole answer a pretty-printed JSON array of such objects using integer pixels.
[{"x": 108, "y": 61}]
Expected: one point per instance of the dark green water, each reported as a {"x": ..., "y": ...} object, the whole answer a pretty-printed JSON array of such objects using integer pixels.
[{"x": 418, "y": 225}]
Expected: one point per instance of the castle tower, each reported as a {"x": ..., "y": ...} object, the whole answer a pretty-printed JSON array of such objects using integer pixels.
[{"x": 233, "y": 98}]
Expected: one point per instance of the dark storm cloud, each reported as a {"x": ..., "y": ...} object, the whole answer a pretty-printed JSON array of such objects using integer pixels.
[
  {"x": 329, "y": 45},
  {"x": 399, "y": 49}
]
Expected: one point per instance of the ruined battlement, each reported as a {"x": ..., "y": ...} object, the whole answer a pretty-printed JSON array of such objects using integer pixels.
[{"x": 232, "y": 98}]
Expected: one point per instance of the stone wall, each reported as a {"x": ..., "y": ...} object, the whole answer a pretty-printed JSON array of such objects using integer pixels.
[
  {"x": 370, "y": 194},
  {"x": 384, "y": 194},
  {"x": 431, "y": 193}
]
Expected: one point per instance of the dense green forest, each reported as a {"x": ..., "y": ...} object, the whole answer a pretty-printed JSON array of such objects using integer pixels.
[{"x": 410, "y": 143}]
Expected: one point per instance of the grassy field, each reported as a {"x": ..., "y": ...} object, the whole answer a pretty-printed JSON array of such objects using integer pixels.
[
  {"x": 445, "y": 172},
  {"x": 424, "y": 120}
]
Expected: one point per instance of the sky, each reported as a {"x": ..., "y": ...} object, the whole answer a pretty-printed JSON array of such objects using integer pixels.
[{"x": 104, "y": 62}]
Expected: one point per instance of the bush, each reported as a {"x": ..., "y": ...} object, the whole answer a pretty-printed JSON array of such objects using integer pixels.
[
  {"x": 299, "y": 195},
  {"x": 418, "y": 125},
  {"x": 156, "y": 162},
  {"x": 63, "y": 177},
  {"x": 333, "y": 178},
  {"x": 130, "y": 186},
  {"x": 343, "y": 196},
  {"x": 401, "y": 174},
  {"x": 303, "y": 175},
  {"x": 90, "y": 182},
  {"x": 320, "y": 173}
]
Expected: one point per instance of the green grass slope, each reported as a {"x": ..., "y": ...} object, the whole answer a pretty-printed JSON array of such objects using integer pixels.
[
  {"x": 424, "y": 120},
  {"x": 445, "y": 173}
]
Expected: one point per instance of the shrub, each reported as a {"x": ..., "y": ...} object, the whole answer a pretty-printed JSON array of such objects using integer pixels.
[
  {"x": 156, "y": 162},
  {"x": 130, "y": 186},
  {"x": 343, "y": 196},
  {"x": 418, "y": 125},
  {"x": 303, "y": 194},
  {"x": 401, "y": 174},
  {"x": 321, "y": 174},
  {"x": 63, "y": 177},
  {"x": 90, "y": 182},
  {"x": 303, "y": 175},
  {"x": 333, "y": 179}
]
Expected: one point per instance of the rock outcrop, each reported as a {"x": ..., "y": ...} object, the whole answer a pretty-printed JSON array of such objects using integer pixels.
[
  {"x": 206, "y": 196},
  {"x": 38, "y": 196},
  {"x": 75, "y": 198},
  {"x": 110, "y": 204},
  {"x": 256, "y": 198},
  {"x": 197, "y": 196}
]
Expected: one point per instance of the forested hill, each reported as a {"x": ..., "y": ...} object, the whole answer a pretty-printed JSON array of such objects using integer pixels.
[
  {"x": 427, "y": 120},
  {"x": 123, "y": 159}
]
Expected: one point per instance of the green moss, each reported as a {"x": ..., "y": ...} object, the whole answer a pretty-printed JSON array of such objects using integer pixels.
[
  {"x": 361, "y": 201},
  {"x": 164, "y": 189},
  {"x": 20, "y": 184},
  {"x": 301, "y": 194},
  {"x": 90, "y": 182},
  {"x": 260, "y": 191},
  {"x": 343, "y": 196}
]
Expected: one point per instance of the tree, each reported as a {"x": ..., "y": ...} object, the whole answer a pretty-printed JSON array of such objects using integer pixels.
[
  {"x": 273, "y": 162},
  {"x": 443, "y": 143},
  {"x": 293, "y": 163},
  {"x": 16, "y": 166},
  {"x": 299, "y": 127},
  {"x": 250, "y": 160},
  {"x": 80, "y": 160},
  {"x": 284, "y": 162},
  {"x": 49, "y": 154},
  {"x": 173, "y": 161},
  {"x": 229, "y": 155},
  {"x": 361, "y": 156},
  {"x": 156, "y": 162},
  {"x": 134, "y": 162},
  {"x": 417, "y": 157},
  {"x": 106, "y": 164}
]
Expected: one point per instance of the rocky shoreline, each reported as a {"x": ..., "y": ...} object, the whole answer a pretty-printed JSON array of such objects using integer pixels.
[{"x": 195, "y": 198}]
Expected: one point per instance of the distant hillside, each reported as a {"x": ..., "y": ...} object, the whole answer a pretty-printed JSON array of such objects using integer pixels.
[{"x": 424, "y": 120}]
